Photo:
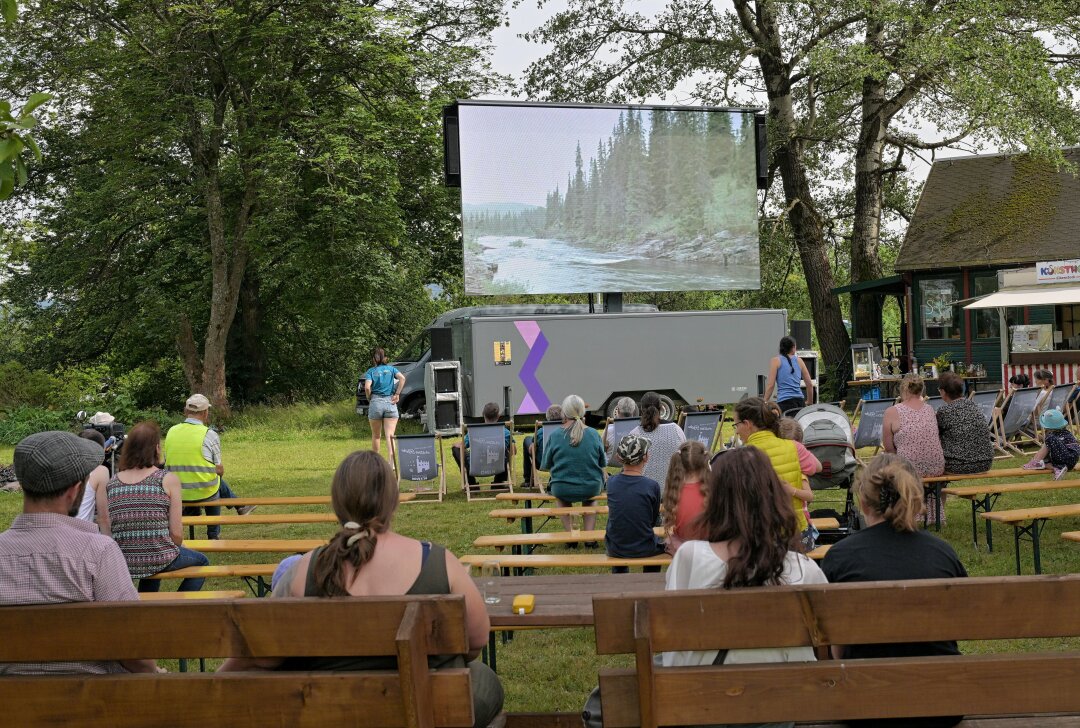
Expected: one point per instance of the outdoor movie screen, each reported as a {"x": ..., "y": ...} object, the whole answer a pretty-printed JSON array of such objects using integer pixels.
[{"x": 575, "y": 199}]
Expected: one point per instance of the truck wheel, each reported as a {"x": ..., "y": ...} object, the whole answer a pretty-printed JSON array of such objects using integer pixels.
[
  {"x": 667, "y": 408},
  {"x": 610, "y": 411},
  {"x": 413, "y": 407}
]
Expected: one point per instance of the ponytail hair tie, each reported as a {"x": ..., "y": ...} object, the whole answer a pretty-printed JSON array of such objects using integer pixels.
[
  {"x": 361, "y": 533},
  {"x": 888, "y": 496}
]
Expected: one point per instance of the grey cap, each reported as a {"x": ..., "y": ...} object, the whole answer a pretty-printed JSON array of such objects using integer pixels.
[
  {"x": 632, "y": 449},
  {"x": 49, "y": 462}
]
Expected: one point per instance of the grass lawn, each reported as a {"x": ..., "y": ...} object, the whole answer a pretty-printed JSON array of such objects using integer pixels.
[{"x": 294, "y": 451}]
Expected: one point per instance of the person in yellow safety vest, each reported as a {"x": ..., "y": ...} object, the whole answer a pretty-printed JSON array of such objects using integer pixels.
[{"x": 193, "y": 452}]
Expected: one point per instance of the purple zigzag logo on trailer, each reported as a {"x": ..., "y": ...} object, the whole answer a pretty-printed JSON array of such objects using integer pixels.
[{"x": 536, "y": 399}]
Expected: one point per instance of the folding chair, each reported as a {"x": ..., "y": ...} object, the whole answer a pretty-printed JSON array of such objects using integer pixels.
[
  {"x": 619, "y": 428},
  {"x": 545, "y": 428},
  {"x": 1018, "y": 426},
  {"x": 1059, "y": 399},
  {"x": 987, "y": 402},
  {"x": 702, "y": 426},
  {"x": 871, "y": 416},
  {"x": 420, "y": 460},
  {"x": 487, "y": 457}
]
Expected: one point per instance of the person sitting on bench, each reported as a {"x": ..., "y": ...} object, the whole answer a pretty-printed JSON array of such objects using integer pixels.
[
  {"x": 1059, "y": 445},
  {"x": 491, "y": 416},
  {"x": 367, "y": 558},
  {"x": 752, "y": 537},
  {"x": 891, "y": 546},
  {"x": 575, "y": 458},
  {"x": 633, "y": 507}
]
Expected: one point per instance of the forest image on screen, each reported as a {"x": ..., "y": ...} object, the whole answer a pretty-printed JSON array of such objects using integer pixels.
[{"x": 579, "y": 199}]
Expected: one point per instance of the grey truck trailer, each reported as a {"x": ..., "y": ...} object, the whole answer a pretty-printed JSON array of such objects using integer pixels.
[{"x": 539, "y": 356}]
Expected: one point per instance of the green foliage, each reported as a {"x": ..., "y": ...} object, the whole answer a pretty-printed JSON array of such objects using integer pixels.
[
  {"x": 23, "y": 421},
  {"x": 14, "y": 139}
]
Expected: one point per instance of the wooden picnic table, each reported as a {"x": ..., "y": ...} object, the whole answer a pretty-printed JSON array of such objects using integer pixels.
[
  {"x": 528, "y": 514},
  {"x": 259, "y": 519},
  {"x": 255, "y": 545},
  {"x": 1030, "y": 522},
  {"x": 984, "y": 497}
]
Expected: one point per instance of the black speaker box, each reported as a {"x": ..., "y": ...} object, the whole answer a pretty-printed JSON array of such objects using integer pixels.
[
  {"x": 445, "y": 381},
  {"x": 451, "y": 148},
  {"x": 446, "y": 415},
  {"x": 762, "y": 145},
  {"x": 442, "y": 344},
  {"x": 800, "y": 331}
]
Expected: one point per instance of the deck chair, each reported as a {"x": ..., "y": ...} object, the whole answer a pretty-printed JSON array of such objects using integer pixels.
[
  {"x": 548, "y": 426},
  {"x": 871, "y": 416},
  {"x": 703, "y": 427},
  {"x": 487, "y": 458},
  {"x": 1017, "y": 424},
  {"x": 619, "y": 428},
  {"x": 421, "y": 464},
  {"x": 987, "y": 402},
  {"x": 1059, "y": 400}
]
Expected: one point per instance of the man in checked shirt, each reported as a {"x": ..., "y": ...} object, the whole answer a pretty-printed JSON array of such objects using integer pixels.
[{"x": 48, "y": 556}]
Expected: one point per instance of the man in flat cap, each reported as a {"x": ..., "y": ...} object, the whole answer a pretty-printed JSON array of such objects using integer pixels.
[
  {"x": 193, "y": 451},
  {"x": 48, "y": 556}
]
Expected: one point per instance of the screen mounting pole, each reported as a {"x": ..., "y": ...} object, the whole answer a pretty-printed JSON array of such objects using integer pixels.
[{"x": 613, "y": 303}]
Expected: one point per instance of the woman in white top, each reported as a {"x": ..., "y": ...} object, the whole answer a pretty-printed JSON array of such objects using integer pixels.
[
  {"x": 751, "y": 531},
  {"x": 664, "y": 438},
  {"x": 98, "y": 477}
]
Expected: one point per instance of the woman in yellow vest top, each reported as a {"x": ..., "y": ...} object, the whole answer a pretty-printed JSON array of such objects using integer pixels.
[{"x": 757, "y": 424}]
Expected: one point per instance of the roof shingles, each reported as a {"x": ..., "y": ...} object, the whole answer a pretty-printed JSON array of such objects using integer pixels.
[{"x": 993, "y": 210}]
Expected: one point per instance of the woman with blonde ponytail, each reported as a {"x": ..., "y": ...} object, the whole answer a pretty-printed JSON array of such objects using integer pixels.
[
  {"x": 891, "y": 547},
  {"x": 574, "y": 455},
  {"x": 367, "y": 558}
]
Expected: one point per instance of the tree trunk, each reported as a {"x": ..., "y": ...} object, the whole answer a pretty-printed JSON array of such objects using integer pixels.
[
  {"x": 866, "y": 226},
  {"x": 248, "y": 341},
  {"x": 805, "y": 222}
]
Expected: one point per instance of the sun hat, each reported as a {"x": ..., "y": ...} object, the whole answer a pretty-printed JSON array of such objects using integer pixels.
[
  {"x": 197, "y": 403},
  {"x": 49, "y": 462},
  {"x": 632, "y": 449},
  {"x": 1052, "y": 419}
]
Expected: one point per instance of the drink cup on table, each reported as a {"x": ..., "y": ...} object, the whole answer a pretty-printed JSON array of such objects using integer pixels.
[{"x": 490, "y": 577}]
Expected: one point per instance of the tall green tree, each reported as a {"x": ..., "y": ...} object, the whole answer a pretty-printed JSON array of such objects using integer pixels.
[
  {"x": 844, "y": 83},
  {"x": 270, "y": 158}
]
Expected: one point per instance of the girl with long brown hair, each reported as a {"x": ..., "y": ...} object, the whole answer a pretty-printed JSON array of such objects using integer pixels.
[
  {"x": 367, "y": 558},
  {"x": 684, "y": 494},
  {"x": 751, "y": 539}
]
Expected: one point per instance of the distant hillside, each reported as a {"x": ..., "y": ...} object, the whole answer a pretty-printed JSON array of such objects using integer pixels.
[{"x": 500, "y": 208}]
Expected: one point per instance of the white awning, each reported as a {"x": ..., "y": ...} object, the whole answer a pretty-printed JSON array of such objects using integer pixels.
[{"x": 1044, "y": 295}]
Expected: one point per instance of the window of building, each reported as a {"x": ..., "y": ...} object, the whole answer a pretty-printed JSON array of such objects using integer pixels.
[
  {"x": 984, "y": 321},
  {"x": 1068, "y": 323},
  {"x": 937, "y": 305}
]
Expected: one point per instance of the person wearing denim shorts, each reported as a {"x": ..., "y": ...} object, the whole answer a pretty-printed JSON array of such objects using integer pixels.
[{"x": 382, "y": 386}]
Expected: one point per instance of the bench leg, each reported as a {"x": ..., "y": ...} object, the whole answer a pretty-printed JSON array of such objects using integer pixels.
[
  {"x": 491, "y": 659},
  {"x": 1036, "y": 527},
  {"x": 937, "y": 507},
  {"x": 975, "y": 523},
  {"x": 1016, "y": 539}
]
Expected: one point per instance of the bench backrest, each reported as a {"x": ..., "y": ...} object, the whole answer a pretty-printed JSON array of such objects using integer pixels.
[
  {"x": 408, "y": 628},
  {"x": 487, "y": 449},
  {"x": 820, "y": 615}
]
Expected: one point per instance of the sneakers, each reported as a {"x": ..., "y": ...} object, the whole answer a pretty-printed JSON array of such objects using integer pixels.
[
  {"x": 1034, "y": 465},
  {"x": 1058, "y": 472},
  {"x": 244, "y": 510}
]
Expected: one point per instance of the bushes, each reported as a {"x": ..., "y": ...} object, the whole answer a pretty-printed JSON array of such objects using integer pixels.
[{"x": 23, "y": 421}]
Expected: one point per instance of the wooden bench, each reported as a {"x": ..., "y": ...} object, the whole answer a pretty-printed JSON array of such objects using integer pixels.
[
  {"x": 1071, "y": 535},
  {"x": 408, "y": 628},
  {"x": 1004, "y": 684},
  {"x": 581, "y": 561},
  {"x": 529, "y": 497},
  {"x": 190, "y": 595},
  {"x": 933, "y": 484},
  {"x": 528, "y": 514},
  {"x": 259, "y": 519},
  {"x": 284, "y": 500},
  {"x": 983, "y": 498},
  {"x": 255, "y": 545},
  {"x": 545, "y": 538},
  {"x": 254, "y": 575},
  {"x": 1030, "y": 522}
]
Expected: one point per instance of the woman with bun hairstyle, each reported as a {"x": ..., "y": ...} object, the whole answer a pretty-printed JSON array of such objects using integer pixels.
[
  {"x": 684, "y": 494},
  {"x": 891, "y": 546},
  {"x": 664, "y": 437},
  {"x": 757, "y": 424},
  {"x": 749, "y": 539},
  {"x": 367, "y": 558},
  {"x": 910, "y": 429},
  {"x": 574, "y": 455},
  {"x": 787, "y": 373}
]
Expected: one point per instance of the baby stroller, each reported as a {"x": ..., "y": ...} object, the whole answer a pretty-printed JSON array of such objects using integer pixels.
[{"x": 827, "y": 434}]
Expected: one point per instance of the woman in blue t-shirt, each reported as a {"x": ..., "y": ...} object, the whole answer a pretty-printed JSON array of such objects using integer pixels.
[
  {"x": 786, "y": 373},
  {"x": 382, "y": 386}
]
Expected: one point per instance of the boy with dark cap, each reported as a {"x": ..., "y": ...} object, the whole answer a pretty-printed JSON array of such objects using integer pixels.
[
  {"x": 48, "y": 556},
  {"x": 633, "y": 506}
]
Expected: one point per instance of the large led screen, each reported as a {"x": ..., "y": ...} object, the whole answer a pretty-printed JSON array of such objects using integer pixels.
[{"x": 575, "y": 199}]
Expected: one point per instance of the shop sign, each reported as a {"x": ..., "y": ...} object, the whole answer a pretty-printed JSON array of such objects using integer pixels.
[{"x": 1057, "y": 271}]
